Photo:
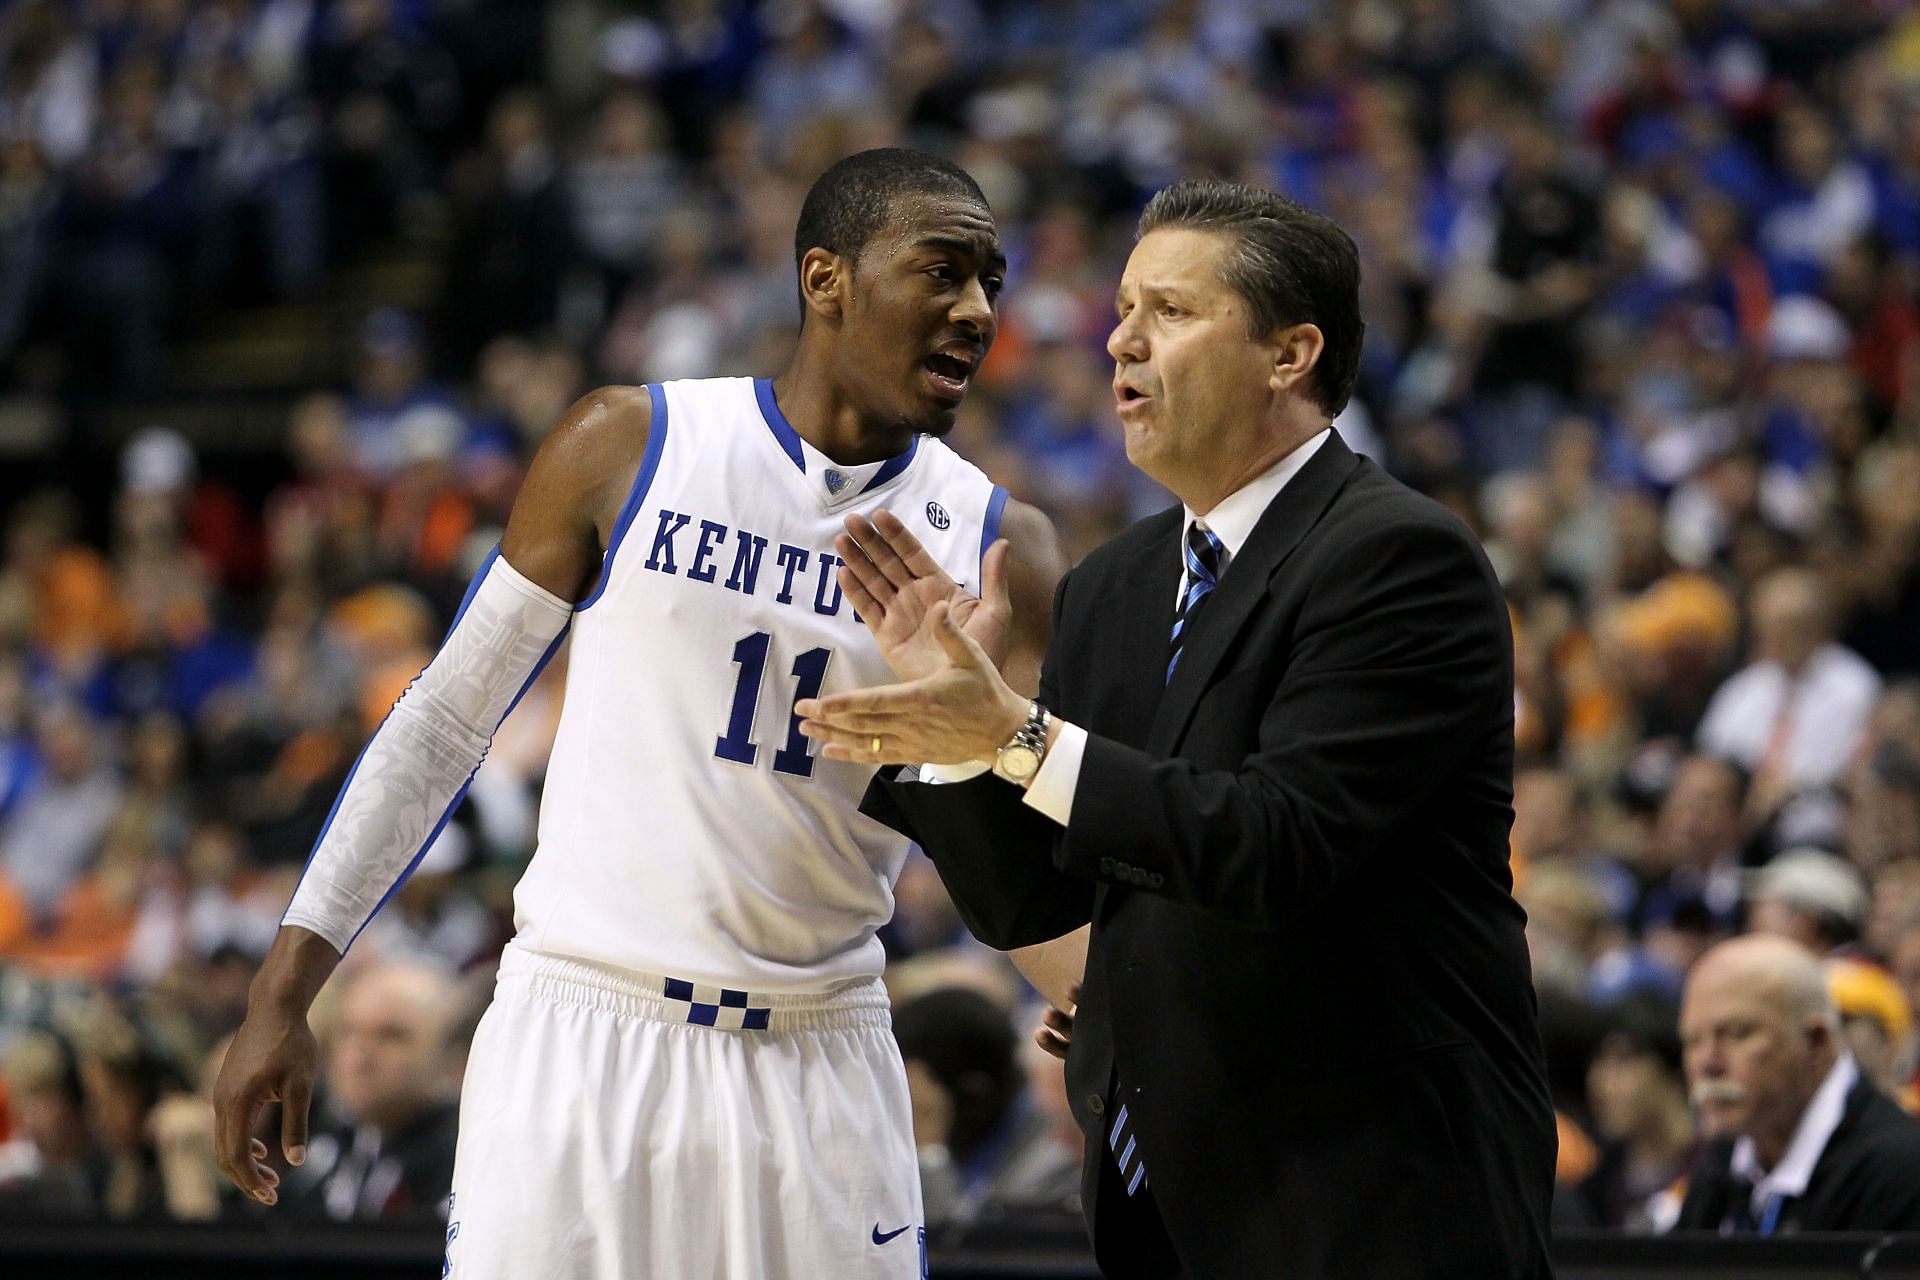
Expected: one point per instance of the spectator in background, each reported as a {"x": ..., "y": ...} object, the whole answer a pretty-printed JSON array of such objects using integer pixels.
[
  {"x": 1694, "y": 847},
  {"x": 1801, "y": 1140},
  {"x": 54, "y": 831},
  {"x": 512, "y": 240},
  {"x": 383, "y": 1147},
  {"x": 1877, "y": 1023},
  {"x": 125, "y": 1072},
  {"x": 1810, "y": 897},
  {"x": 986, "y": 1147},
  {"x": 390, "y": 384},
  {"x": 50, "y": 1169},
  {"x": 1638, "y": 1094},
  {"x": 1791, "y": 717}
]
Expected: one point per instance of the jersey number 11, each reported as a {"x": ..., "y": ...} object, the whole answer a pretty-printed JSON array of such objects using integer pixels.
[{"x": 809, "y": 669}]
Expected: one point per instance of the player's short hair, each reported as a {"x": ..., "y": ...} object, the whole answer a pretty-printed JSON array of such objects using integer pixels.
[
  {"x": 1292, "y": 265},
  {"x": 850, "y": 203}
]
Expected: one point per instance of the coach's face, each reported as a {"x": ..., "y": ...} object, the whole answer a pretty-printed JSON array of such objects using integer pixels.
[
  {"x": 1193, "y": 390},
  {"x": 921, "y": 310}
]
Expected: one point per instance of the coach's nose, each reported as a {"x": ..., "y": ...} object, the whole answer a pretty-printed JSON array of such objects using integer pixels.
[{"x": 1127, "y": 344}]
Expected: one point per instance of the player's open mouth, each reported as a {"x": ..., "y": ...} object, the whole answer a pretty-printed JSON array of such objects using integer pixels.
[
  {"x": 949, "y": 374},
  {"x": 1125, "y": 398}
]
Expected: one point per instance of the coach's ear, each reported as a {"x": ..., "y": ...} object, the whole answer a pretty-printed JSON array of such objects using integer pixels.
[{"x": 823, "y": 282}]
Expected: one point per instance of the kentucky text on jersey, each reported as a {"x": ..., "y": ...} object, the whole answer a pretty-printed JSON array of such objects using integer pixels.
[{"x": 699, "y": 548}]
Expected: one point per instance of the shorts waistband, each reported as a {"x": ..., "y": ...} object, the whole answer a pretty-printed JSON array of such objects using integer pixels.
[{"x": 862, "y": 1002}]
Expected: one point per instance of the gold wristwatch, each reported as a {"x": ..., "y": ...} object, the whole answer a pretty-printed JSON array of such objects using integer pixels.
[{"x": 1020, "y": 758}]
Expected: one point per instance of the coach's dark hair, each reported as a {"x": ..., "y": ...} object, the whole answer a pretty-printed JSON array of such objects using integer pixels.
[
  {"x": 1292, "y": 265},
  {"x": 849, "y": 203}
]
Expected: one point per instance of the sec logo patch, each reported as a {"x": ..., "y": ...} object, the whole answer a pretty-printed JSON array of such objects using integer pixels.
[{"x": 937, "y": 516}]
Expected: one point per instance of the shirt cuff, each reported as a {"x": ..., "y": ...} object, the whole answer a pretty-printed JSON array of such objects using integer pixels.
[
  {"x": 935, "y": 774},
  {"x": 1051, "y": 791}
]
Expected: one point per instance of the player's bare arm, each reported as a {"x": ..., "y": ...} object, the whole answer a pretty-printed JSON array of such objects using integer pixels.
[{"x": 555, "y": 539}]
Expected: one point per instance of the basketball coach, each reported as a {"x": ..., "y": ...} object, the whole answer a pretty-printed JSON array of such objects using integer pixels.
[{"x": 1271, "y": 762}]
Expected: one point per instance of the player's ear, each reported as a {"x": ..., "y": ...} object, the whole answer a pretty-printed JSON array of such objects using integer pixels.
[{"x": 823, "y": 282}]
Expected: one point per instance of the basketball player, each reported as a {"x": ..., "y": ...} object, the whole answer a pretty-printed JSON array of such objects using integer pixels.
[{"x": 687, "y": 1069}]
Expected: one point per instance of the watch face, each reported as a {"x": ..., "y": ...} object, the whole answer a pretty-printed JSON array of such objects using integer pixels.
[{"x": 1018, "y": 762}]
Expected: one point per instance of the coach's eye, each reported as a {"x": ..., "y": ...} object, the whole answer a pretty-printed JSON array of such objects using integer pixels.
[{"x": 944, "y": 274}]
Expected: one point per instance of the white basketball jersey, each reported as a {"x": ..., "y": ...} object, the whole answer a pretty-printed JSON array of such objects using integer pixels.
[{"x": 687, "y": 827}]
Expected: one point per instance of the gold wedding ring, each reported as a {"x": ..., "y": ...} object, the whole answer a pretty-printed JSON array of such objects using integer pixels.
[{"x": 875, "y": 748}]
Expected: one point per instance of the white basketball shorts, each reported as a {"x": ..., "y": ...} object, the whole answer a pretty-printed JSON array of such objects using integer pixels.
[{"x": 615, "y": 1126}]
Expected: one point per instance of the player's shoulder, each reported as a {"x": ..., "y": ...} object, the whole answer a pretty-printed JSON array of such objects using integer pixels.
[
  {"x": 604, "y": 417},
  {"x": 603, "y": 433},
  {"x": 939, "y": 463}
]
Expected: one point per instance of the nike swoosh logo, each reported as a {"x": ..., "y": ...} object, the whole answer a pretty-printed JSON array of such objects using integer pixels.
[{"x": 882, "y": 1239}]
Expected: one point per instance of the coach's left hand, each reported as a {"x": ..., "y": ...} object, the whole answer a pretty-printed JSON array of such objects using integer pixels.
[{"x": 963, "y": 711}]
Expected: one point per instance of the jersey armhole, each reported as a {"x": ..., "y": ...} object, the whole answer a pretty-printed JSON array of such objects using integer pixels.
[
  {"x": 642, "y": 481},
  {"x": 990, "y": 526}
]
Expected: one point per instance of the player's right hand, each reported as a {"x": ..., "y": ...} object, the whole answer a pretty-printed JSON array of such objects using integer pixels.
[{"x": 274, "y": 1058}]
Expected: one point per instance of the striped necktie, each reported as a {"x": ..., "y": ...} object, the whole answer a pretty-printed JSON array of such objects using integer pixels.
[
  {"x": 1203, "y": 553},
  {"x": 1121, "y": 1141}
]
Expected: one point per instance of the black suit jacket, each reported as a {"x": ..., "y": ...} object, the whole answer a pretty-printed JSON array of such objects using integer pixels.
[
  {"x": 1867, "y": 1178},
  {"x": 1307, "y": 967}
]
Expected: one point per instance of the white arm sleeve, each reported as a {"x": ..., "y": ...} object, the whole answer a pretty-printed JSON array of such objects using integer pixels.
[{"x": 418, "y": 765}]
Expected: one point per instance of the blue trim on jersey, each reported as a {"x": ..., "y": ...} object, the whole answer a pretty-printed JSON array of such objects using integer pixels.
[
  {"x": 777, "y": 422},
  {"x": 459, "y": 795},
  {"x": 789, "y": 439},
  {"x": 656, "y": 445},
  {"x": 990, "y": 527},
  {"x": 895, "y": 465}
]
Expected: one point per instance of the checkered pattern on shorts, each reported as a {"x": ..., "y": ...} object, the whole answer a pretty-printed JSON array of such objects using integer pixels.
[{"x": 720, "y": 1007}]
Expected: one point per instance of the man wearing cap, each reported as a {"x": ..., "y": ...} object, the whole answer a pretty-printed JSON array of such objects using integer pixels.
[
  {"x": 1811, "y": 897},
  {"x": 1800, "y": 1139},
  {"x": 1877, "y": 1022}
]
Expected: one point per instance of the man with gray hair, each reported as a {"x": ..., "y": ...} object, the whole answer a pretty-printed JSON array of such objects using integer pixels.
[
  {"x": 384, "y": 1150},
  {"x": 1800, "y": 1139}
]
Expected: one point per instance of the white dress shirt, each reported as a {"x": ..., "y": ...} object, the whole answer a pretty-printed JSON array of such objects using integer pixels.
[
  {"x": 1231, "y": 520},
  {"x": 1810, "y": 1137},
  {"x": 1819, "y": 717}
]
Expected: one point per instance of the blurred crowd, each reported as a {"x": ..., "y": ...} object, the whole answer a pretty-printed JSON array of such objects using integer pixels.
[{"x": 1642, "y": 288}]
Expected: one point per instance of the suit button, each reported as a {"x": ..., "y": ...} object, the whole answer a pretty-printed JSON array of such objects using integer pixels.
[
  {"x": 1096, "y": 1105},
  {"x": 1122, "y": 870},
  {"x": 1106, "y": 866},
  {"x": 1155, "y": 880}
]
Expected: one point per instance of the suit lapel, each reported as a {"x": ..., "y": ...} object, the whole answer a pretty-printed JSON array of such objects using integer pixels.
[
  {"x": 1138, "y": 618},
  {"x": 1296, "y": 509}
]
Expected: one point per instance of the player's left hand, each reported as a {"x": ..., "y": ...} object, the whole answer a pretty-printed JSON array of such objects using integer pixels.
[
  {"x": 962, "y": 711},
  {"x": 893, "y": 582}
]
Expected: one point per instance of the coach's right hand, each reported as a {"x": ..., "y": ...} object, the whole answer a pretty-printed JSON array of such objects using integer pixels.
[{"x": 273, "y": 1058}]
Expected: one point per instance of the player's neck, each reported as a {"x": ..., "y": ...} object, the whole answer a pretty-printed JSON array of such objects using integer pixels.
[{"x": 825, "y": 419}]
